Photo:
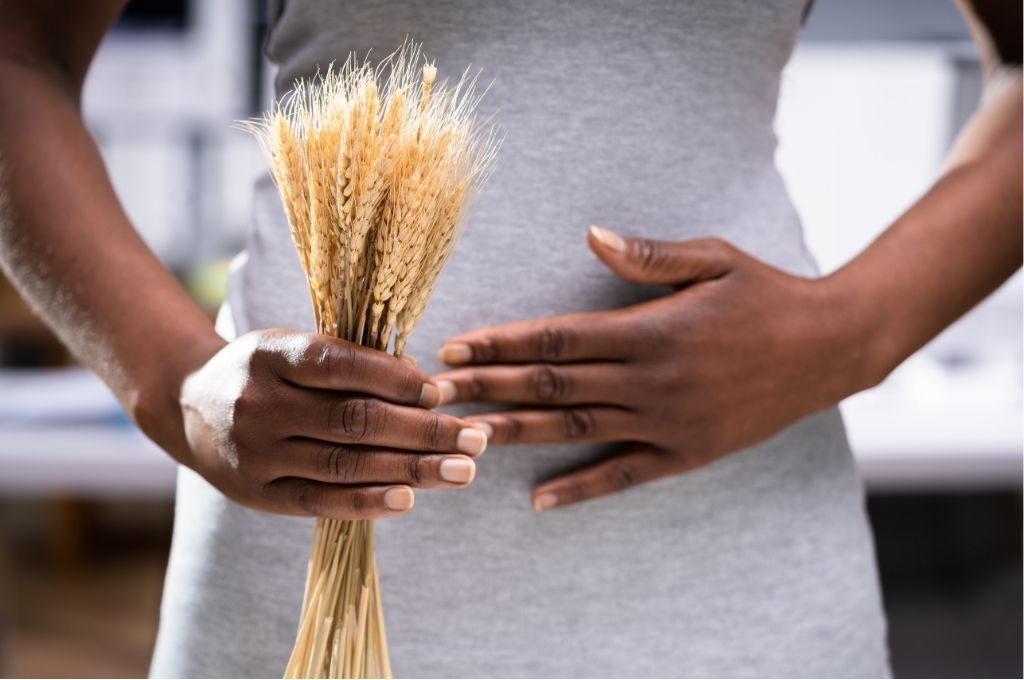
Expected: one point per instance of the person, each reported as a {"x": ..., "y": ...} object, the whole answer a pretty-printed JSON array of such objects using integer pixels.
[{"x": 683, "y": 383}]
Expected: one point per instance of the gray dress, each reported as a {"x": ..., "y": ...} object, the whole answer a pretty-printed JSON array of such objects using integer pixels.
[{"x": 651, "y": 117}]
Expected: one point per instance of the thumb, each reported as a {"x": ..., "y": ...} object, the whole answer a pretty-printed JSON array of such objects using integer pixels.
[{"x": 662, "y": 263}]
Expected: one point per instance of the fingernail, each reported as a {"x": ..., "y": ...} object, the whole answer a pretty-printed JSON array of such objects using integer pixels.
[
  {"x": 545, "y": 501},
  {"x": 431, "y": 395},
  {"x": 447, "y": 390},
  {"x": 471, "y": 441},
  {"x": 609, "y": 239},
  {"x": 455, "y": 353},
  {"x": 399, "y": 498},
  {"x": 484, "y": 427},
  {"x": 458, "y": 470}
]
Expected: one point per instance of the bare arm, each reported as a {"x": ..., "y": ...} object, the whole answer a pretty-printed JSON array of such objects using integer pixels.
[
  {"x": 65, "y": 241},
  {"x": 277, "y": 420}
]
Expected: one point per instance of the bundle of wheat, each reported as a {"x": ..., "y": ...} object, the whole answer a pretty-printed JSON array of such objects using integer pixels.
[{"x": 376, "y": 169}]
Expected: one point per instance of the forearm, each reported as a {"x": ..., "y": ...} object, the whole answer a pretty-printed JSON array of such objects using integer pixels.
[
  {"x": 68, "y": 246},
  {"x": 951, "y": 249}
]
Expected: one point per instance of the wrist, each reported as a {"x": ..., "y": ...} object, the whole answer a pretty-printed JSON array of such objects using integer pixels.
[
  {"x": 865, "y": 351},
  {"x": 155, "y": 406}
]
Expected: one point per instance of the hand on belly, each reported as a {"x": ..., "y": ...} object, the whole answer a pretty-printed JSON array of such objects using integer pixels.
[{"x": 734, "y": 353}]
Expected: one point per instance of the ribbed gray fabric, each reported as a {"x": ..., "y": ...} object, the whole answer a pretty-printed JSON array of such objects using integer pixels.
[{"x": 651, "y": 117}]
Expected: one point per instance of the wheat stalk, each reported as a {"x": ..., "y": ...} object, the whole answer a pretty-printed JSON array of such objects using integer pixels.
[{"x": 376, "y": 169}]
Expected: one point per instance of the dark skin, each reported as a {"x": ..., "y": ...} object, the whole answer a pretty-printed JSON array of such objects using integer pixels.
[{"x": 292, "y": 423}]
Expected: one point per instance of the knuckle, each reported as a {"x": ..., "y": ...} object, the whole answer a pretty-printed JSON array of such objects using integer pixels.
[
  {"x": 484, "y": 350},
  {"x": 670, "y": 376},
  {"x": 358, "y": 463},
  {"x": 508, "y": 428},
  {"x": 350, "y": 418},
  {"x": 376, "y": 418},
  {"x": 410, "y": 385},
  {"x": 664, "y": 338},
  {"x": 250, "y": 403},
  {"x": 247, "y": 426},
  {"x": 720, "y": 252},
  {"x": 360, "y": 502},
  {"x": 433, "y": 433},
  {"x": 331, "y": 460},
  {"x": 476, "y": 388},
  {"x": 720, "y": 245},
  {"x": 620, "y": 475},
  {"x": 341, "y": 463},
  {"x": 648, "y": 253},
  {"x": 578, "y": 423},
  {"x": 549, "y": 384},
  {"x": 515, "y": 430},
  {"x": 333, "y": 359},
  {"x": 262, "y": 356},
  {"x": 323, "y": 360},
  {"x": 309, "y": 497},
  {"x": 551, "y": 343},
  {"x": 414, "y": 470}
]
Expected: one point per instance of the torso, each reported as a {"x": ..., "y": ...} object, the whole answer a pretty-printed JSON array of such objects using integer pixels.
[{"x": 654, "y": 118}]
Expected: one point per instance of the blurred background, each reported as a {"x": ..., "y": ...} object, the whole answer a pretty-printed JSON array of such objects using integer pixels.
[{"x": 870, "y": 102}]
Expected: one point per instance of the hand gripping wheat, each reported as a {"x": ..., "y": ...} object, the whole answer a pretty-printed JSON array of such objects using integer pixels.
[{"x": 376, "y": 168}]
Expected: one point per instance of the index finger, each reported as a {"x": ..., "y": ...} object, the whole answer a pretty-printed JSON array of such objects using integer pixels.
[
  {"x": 574, "y": 337},
  {"x": 320, "y": 361}
]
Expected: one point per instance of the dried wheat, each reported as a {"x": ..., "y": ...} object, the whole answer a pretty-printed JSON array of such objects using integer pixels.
[{"x": 376, "y": 168}]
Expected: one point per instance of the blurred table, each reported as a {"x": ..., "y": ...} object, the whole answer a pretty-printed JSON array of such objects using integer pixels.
[
  {"x": 63, "y": 434},
  {"x": 85, "y": 460},
  {"x": 933, "y": 427},
  {"x": 947, "y": 447}
]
